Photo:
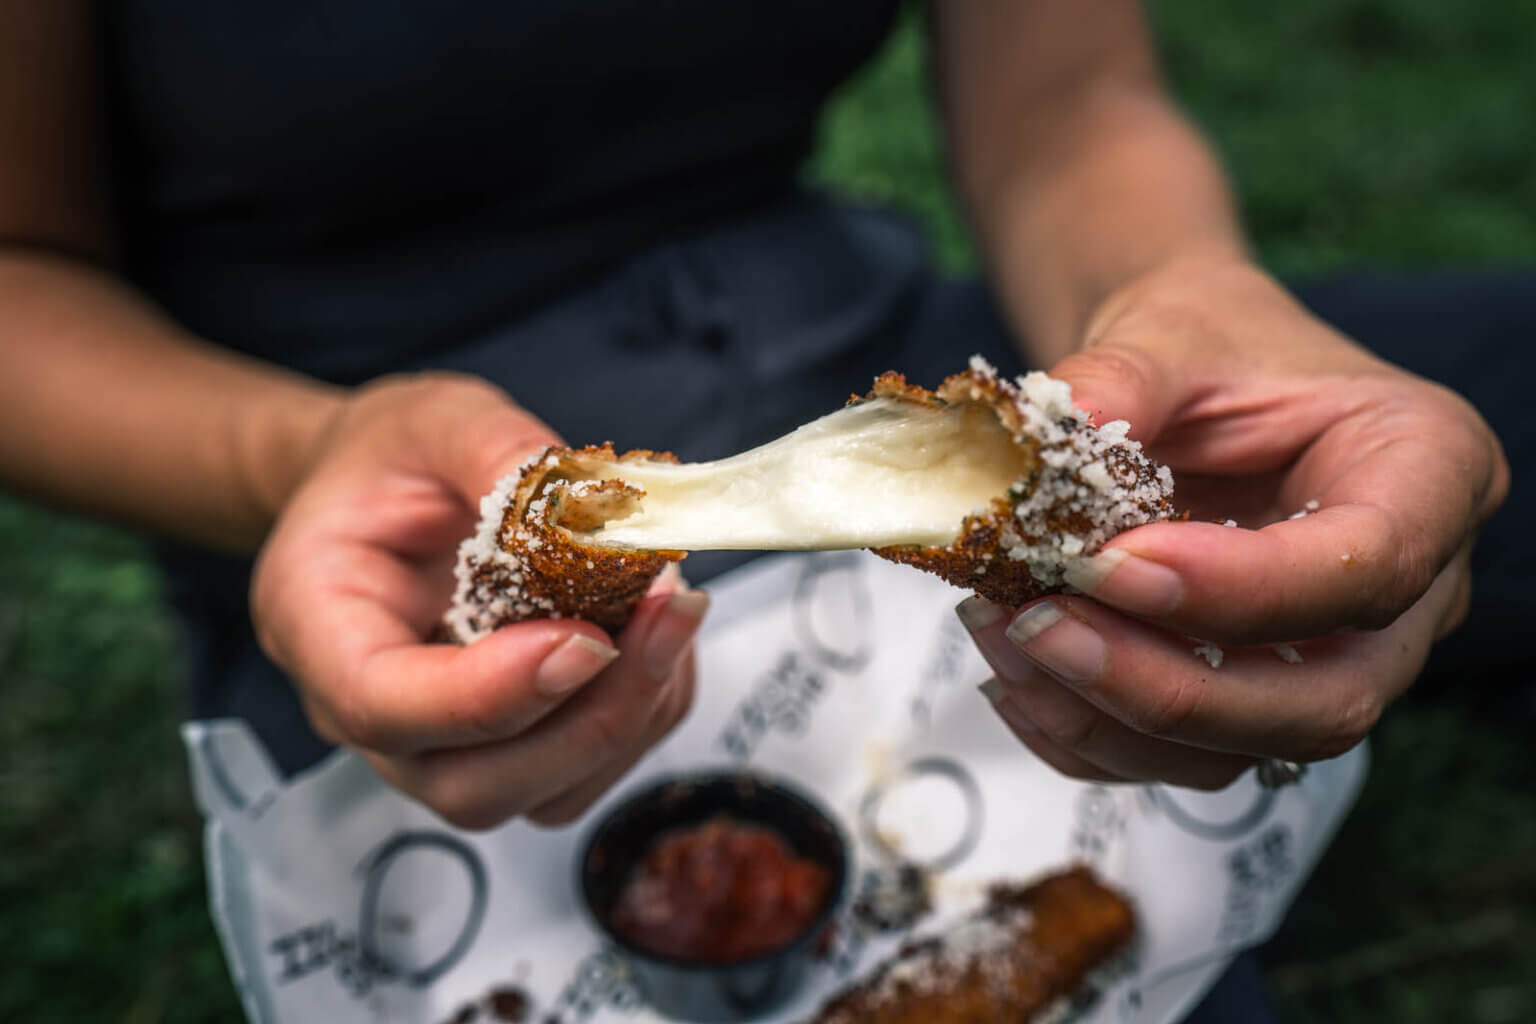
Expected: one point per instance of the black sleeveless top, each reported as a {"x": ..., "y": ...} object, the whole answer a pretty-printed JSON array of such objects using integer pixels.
[
  {"x": 339, "y": 185},
  {"x": 506, "y": 188}
]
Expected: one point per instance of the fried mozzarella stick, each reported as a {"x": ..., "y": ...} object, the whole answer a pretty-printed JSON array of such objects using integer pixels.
[
  {"x": 992, "y": 485},
  {"x": 1018, "y": 959}
]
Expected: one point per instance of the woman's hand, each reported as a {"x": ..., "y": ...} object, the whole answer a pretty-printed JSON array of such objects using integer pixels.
[
  {"x": 537, "y": 719},
  {"x": 1260, "y": 410}
]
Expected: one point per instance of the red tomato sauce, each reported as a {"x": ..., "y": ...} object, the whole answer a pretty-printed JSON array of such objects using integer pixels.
[{"x": 719, "y": 892}]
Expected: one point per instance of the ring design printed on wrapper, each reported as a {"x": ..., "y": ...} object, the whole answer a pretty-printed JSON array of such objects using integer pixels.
[
  {"x": 377, "y": 866},
  {"x": 971, "y": 803},
  {"x": 223, "y": 779},
  {"x": 832, "y": 611},
  {"x": 1239, "y": 824}
]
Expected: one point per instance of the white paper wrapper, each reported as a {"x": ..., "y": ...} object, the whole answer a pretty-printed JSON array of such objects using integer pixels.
[{"x": 339, "y": 900}]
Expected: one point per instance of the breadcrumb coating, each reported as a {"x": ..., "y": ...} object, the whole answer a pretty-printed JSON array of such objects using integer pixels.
[
  {"x": 1016, "y": 960},
  {"x": 1082, "y": 486},
  {"x": 1087, "y": 485},
  {"x": 523, "y": 564}
]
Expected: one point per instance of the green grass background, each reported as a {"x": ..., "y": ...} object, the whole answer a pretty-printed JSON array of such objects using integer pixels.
[{"x": 1360, "y": 132}]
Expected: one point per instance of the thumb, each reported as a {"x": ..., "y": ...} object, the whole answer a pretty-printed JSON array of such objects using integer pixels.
[
  {"x": 473, "y": 435},
  {"x": 1119, "y": 382}
]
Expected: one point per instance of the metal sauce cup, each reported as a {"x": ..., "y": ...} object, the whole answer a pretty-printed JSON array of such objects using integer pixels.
[{"x": 689, "y": 990}]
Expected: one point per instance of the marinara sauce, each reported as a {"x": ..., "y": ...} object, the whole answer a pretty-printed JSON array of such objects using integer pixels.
[{"x": 719, "y": 892}]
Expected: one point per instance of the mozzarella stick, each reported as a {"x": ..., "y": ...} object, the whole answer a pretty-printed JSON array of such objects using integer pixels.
[
  {"x": 994, "y": 485},
  {"x": 1018, "y": 959}
]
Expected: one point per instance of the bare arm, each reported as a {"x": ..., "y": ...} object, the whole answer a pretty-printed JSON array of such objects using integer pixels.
[
  {"x": 356, "y": 499},
  {"x": 1108, "y": 230},
  {"x": 1076, "y": 170},
  {"x": 105, "y": 404}
]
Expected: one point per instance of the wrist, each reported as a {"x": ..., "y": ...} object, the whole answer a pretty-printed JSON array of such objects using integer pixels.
[
  {"x": 278, "y": 433},
  {"x": 1187, "y": 279}
]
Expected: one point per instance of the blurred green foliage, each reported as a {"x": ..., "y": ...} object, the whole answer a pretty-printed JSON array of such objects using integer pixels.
[
  {"x": 1382, "y": 133},
  {"x": 1360, "y": 132},
  {"x": 102, "y": 911}
]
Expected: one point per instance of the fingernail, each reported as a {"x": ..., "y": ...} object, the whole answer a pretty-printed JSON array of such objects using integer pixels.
[
  {"x": 574, "y": 661},
  {"x": 976, "y": 612},
  {"x": 992, "y": 690},
  {"x": 1127, "y": 581},
  {"x": 670, "y": 580},
  {"x": 1066, "y": 647},
  {"x": 673, "y": 631}
]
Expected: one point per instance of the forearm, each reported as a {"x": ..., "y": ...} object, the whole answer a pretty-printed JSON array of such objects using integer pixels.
[
  {"x": 1115, "y": 184},
  {"x": 109, "y": 407},
  {"x": 1076, "y": 171}
]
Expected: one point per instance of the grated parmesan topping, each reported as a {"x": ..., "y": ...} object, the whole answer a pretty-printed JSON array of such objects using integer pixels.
[
  {"x": 1306, "y": 510},
  {"x": 1087, "y": 474},
  {"x": 984, "y": 944},
  {"x": 488, "y": 580},
  {"x": 1212, "y": 654},
  {"x": 1288, "y": 653},
  {"x": 1088, "y": 485}
]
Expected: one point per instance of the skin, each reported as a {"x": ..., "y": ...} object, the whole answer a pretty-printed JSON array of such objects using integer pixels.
[
  {"x": 354, "y": 499},
  {"x": 1108, "y": 228},
  {"x": 1108, "y": 231}
]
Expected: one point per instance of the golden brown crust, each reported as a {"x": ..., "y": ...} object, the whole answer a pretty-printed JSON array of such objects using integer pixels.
[
  {"x": 572, "y": 581},
  {"x": 1081, "y": 485},
  {"x": 976, "y": 560},
  {"x": 1017, "y": 549},
  {"x": 1027, "y": 949},
  {"x": 524, "y": 564}
]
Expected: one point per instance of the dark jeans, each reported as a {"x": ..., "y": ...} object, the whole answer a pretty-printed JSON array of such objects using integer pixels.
[
  {"x": 712, "y": 343},
  {"x": 1472, "y": 332}
]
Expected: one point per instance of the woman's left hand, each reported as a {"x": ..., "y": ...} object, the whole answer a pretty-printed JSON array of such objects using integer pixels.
[{"x": 1307, "y": 626}]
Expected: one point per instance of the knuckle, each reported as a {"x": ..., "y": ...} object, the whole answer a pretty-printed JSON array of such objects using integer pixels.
[
  {"x": 457, "y": 798},
  {"x": 1166, "y": 709},
  {"x": 1352, "y": 723},
  {"x": 321, "y": 720},
  {"x": 486, "y": 712},
  {"x": 1404, "y": 572},
  {"x": 354, "y": 715},
  {"x": 1111, "y": 362},
  {"x": 1109, "y": 367},
  {"x": 608, "y": 727},
  {"x": 1387, "y": 604},
  {"x": 358, "y": 726}
]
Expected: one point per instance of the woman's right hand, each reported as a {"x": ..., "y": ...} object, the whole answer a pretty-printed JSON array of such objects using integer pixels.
[{"x": 539, "y": 718}]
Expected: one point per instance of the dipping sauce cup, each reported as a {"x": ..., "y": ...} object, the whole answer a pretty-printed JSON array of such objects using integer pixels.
[{"x": 736, "y": 875}]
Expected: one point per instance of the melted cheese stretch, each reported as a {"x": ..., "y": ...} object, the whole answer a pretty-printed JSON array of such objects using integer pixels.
[{"x": 881, "y": 473}]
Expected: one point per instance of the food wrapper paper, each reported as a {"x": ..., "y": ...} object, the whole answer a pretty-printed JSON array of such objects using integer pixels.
[{"x": 339, "y": 900}]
